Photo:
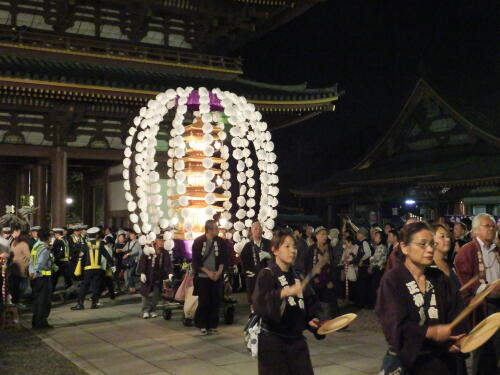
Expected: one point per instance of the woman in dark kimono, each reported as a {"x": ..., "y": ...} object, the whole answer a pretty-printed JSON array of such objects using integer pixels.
[
  {"x": 442, "y": 261},
  {"x": 286, "y": 309},
  {"x": 415, "y": 305}
]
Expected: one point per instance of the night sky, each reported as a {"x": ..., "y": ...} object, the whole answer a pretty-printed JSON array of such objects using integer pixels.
[{"x": 376, "y": 51}]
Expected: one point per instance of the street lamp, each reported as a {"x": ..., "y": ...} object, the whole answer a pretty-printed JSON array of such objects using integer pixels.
[{"x": 69, "y": 200}]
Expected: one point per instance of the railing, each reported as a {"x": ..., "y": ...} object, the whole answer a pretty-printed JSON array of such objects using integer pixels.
[{"x": 115, "y": 49}]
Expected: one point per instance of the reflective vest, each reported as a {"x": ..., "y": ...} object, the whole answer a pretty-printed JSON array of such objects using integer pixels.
[
  {"x": 94, "y": 256},
  {"x": 39, "y": 245},
  {"x": 66, "y": 251}
]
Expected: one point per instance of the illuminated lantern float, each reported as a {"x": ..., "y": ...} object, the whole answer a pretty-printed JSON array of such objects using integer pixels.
[{"x": 208, "y": 128}]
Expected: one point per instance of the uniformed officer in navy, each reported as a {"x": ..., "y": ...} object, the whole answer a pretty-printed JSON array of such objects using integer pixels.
[
  {"x": 40, "y": 272},
  {"x": 62, "y": 258},
  {"x": 33, "y": 235},
  {"x": 89, "y": 264}
]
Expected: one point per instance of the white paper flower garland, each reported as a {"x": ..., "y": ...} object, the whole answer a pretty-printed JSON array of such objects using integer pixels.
[{"x": 246, "y": 130}]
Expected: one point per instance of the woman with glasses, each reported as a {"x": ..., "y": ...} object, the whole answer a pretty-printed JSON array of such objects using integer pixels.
[{"x": 415, "y": 306}]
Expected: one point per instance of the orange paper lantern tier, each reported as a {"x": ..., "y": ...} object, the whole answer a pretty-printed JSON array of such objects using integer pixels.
[{"x": 199, "y": 196}]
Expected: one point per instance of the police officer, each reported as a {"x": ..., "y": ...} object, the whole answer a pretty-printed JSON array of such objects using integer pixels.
[
  {"x": 40, "y": 272},
  {"x": 75, "y": 242},
  {"x": 90, "y": 264},
  {"x": 33, "y": 236},
  {"x": 60, "y": 249}
]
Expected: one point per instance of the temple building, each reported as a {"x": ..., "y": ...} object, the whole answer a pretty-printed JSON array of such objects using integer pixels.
[
  {"x": 73, "y": 75},
  {"x": 440, "y": 157}
]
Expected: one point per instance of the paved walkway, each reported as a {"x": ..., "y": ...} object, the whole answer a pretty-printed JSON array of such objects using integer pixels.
[{"x": 115, "y": 340}]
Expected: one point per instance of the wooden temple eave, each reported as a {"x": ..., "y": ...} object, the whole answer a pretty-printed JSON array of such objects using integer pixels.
[
  {"x": 175, "y": 67},
  {"x": 336, "y": 192},
  {"x": 76, "y": 153},
  {"x": 387, "y": 181},
  {"x": 459, "y": 183},
  {"x": 81, "y": 92}
]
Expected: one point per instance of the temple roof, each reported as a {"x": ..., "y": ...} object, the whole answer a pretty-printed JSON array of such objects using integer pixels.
[
  {"x": 432, "y": 143},
  {"x": 209, "y": 26},
  {"x": 130, "y": 80}
]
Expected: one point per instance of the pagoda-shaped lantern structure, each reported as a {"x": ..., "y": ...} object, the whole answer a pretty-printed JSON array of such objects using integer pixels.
[{"x": 210, "y": 131}]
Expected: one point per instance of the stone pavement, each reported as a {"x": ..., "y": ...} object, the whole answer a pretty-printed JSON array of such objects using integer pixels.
[{"x": 116, "y": 340}]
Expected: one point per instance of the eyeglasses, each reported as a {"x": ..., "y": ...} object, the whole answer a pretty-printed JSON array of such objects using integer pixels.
[
  {"x": 492, "y": 226},
  {"x": 425, "y": 245}
]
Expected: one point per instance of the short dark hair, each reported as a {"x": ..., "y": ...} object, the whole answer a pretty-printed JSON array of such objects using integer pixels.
[
  {"x": 43, "y": 234},
  {"x": 464, "y": 227},
  {"x": 383, "y": 236},
  {"x": 395, "y": 233},
  {"x": 280, "y": 237},
  {"x": 13, "y": 228},
  {"x": 300, "y": 229},
  {"x": 409, "y": 230},
  {"x": 210, "y": 224},
  {"x": 348, "y": 237}
]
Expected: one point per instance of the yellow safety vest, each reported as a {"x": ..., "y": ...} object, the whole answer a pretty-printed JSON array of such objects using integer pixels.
[
  {"x": 66, "y": 251},
  {"x": 34, "y": 254},
  {"x": 94, "y": 256}
]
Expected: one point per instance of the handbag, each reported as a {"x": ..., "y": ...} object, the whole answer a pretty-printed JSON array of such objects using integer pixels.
[
  {"x": 392, "y": 365},
  {"x": 351, "y": 274},
  {"x": 252, "y": 331},
  {"x": 180, "y": 295},
  {"x": 127, "y": 262}
]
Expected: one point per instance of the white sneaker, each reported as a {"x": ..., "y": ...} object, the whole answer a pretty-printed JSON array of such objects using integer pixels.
[
  {"x": 203, "y": 331},
  {"x": 153, "y": 315},
  {"x": 213, "y": 331},
  {"x": 145, "y": 315}
]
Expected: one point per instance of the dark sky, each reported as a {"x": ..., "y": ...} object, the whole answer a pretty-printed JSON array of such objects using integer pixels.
[{"x": 375, "y": 50}]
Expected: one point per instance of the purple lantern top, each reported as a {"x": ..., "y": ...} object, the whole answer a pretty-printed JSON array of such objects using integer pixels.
[{"x": 193, "y": 102}]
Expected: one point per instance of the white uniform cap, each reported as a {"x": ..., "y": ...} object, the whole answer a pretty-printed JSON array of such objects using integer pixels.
[
  {"x": 93, "y": 230},
  {"x": 57, "y": 230}
]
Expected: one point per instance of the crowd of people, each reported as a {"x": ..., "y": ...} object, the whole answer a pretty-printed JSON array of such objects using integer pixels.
[{"x": 417, "y": 277}]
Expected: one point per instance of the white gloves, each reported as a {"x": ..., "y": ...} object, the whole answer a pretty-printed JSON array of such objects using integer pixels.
[
  {"x": 249, "y": 273},
  {"x": 170, "y": 276},
  {"x": 113, "y": 269},
  {"x": 264, "y": 255},
  {"x": 143, "y": 278}
]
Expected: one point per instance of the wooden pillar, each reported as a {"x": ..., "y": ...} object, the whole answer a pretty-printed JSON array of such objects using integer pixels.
[
  {"x": 39, "y": 191},
  {"x": 107, "y": 199},
  {"x": 58, "y": 168},
  {"x": 22, "y": 185},
  {"x": 88, "y": 199}
]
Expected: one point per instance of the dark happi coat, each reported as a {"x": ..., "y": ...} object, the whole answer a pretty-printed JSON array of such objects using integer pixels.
[
  {"x": 251, "y": 263},
  {"x": 156, "y": 268},
  {"x": 327, "y": 272},
  {"x": 199, "y": 250},
  {"x": 282, "y": 346},
  {"x": 405, "y": 313}
]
